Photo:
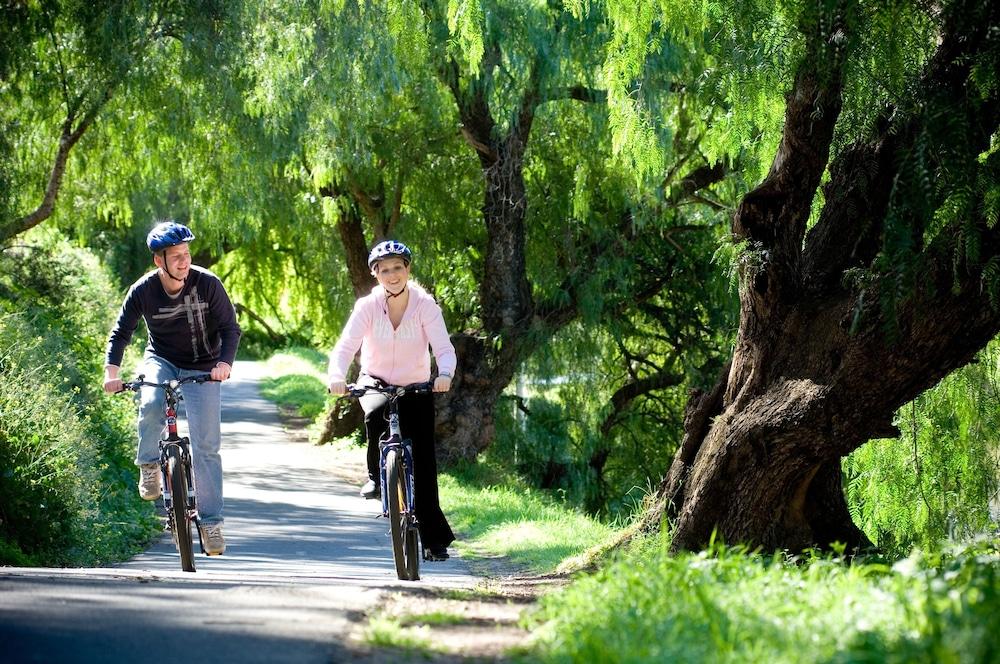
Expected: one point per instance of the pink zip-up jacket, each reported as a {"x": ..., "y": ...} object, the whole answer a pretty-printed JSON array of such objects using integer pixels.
[{"x": 399, "y": 357}]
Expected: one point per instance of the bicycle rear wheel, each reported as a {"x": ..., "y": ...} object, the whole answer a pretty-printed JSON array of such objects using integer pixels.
[
  {"x": 404, "y": 534},
  {"x": 178, "y": 512}
]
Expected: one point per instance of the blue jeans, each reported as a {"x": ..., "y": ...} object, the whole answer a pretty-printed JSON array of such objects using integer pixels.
[{"x": 203, "y": 410}]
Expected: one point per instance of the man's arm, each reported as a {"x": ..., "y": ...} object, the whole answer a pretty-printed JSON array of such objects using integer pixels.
[
  {"x": 229, "y": 330},
  {"x": 119, "y": 338}
]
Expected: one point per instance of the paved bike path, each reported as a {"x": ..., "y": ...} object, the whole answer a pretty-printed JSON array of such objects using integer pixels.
[
  {"x": 286, "y": 512},
  {"x": 305, "y": 557}
]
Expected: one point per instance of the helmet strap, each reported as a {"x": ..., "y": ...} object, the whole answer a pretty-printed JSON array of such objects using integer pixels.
[
  {"x": 389, "y": 294},
  {"x": 163, "y": 257}
]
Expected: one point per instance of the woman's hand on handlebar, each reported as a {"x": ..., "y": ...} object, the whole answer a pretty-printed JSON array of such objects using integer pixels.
[
  {"x": 442, "y": 383},
  {"x": 337, "y": 387}
]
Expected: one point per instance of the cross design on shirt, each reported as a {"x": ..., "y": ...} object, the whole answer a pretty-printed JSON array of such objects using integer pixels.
[{"x": 193, "y": 308}]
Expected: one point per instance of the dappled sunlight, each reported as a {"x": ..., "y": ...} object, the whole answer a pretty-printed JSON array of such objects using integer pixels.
[{"x": 286, "y": 513}]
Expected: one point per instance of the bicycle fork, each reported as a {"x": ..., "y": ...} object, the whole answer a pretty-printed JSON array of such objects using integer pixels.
[
  {"x": 183, "y": 445},
  {"x": 395, "y": 442}
]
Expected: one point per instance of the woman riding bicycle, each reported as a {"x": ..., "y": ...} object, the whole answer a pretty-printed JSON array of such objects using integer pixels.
[{"x": 393, "y": 327}]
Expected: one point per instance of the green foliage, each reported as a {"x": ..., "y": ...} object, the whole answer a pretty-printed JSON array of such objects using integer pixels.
[
  {"x": 726, "y": 605},
  {"x": 66, "y": 473},
  {"x": 68, "y": 65},
  {"x": 940, "y": 478}
]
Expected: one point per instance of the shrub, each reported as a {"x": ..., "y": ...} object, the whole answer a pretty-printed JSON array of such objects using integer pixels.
[{"x": 66, "y": 475}]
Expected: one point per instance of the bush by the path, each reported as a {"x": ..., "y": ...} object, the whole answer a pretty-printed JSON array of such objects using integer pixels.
[{"x": 67, "y": 480}]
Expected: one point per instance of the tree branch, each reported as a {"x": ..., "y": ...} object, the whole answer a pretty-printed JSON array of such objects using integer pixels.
[
  {"x": 632, "y": 390},
  {"x": 578, "y": 93},
  {"x": 68, "y": 138}
]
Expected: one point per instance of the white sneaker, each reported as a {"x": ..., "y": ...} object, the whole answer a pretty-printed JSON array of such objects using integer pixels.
[
  {"x": 149, "y": 481},
  {"x": 212, "y": 539}
]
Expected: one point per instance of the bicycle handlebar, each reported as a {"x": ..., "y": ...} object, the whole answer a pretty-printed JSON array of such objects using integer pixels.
[
  {"x": 140, "y": 381},
  {"x": 389, "y": 390}
]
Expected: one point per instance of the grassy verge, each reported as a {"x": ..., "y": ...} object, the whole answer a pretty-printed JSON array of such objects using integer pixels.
[
  {"x": 298, "y": 382},
  {"x": 730, "y": 606},
  {"x": 529, "y": 528}
]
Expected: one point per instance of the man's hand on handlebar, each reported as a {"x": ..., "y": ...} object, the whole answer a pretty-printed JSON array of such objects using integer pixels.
[
  {"x": 221, "y": 371},
  {"x": 112, "y": 383}
]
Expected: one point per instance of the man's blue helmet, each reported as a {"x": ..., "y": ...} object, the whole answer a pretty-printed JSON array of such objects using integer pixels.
[
  {"x": 168, "y": 234},
  {"x": 388, "y": 249}
]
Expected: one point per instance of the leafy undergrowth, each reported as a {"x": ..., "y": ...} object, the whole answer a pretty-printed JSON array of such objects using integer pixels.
[{"x": 67, "y": 480}]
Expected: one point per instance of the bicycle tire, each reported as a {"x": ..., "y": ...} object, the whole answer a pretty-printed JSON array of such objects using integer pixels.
[
  {"x": 178, "y": 513},
  {"x": 411, "y": 547},
  {"x": 406, "y": 561}
]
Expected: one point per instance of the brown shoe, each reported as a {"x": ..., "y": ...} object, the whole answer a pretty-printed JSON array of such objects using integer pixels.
[
  {"x": 212, "y": 539},
  {"x": 149, "y": 481}
]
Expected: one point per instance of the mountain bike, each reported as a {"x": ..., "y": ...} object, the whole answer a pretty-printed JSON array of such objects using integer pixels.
[
  {"x": 396, "y": 478},
  {"x": 177, "y": 479}
]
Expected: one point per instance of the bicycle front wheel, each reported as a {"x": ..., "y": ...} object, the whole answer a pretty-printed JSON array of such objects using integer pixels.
[
  {"x": 404, "y": 534},
  {"x": 178, "y": 512}
]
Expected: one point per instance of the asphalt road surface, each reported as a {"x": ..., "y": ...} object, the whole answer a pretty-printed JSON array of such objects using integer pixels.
[{"x": 306, "y": 557}]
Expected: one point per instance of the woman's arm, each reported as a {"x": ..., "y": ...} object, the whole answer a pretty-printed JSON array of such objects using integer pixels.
[{"x": 350, "y": 340}]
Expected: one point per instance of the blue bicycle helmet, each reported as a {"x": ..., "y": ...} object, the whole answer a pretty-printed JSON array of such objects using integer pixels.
[
  {"x": 388, "y": 249},
  {"x": 168, "y": 234}
]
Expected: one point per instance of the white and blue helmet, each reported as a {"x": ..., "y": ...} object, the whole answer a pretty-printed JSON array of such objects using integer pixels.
[{"x": 389, "y": 249}]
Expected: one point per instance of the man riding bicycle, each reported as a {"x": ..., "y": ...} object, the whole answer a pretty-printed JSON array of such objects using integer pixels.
[{"x": 192, "y": 330}]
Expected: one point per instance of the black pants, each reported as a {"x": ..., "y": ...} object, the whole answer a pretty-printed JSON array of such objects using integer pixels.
[{"x": 416, "y": 420}]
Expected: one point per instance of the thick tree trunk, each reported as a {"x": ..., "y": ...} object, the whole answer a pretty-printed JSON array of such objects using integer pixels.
[
  {"x": 820, "y": 365},
  {"x": 766, "y": 470},
  {"x": 464, "y": 422}
]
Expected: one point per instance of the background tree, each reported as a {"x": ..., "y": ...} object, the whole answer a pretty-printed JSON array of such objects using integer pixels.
[
  {"x": 482, "y": 129},
  {"x": 62, "y": 65}
]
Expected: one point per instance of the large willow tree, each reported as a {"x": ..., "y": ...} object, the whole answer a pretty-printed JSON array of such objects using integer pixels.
[
  {"x": 482, "y": 133},
  {"x": 869, "y": 266}
]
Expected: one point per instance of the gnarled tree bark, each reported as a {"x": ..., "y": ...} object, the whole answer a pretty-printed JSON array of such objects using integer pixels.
[{"x": 816, "y": 372}]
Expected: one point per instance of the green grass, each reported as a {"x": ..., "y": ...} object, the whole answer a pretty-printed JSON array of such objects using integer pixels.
[
  {"x": 432, "y": 618},
  {"x": 298, "y": 381},
  {"x": 730, "y": 606},
  {"x": 388, "y": 632},
  {"x": 528, "y": 527}
]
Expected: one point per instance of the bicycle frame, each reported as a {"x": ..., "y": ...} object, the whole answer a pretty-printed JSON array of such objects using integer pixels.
[
  {"x": 398, "y": 508},
  {"x": 184, "y": 445},
  {"x": 175, "y": 449},
  {"x": 393, "y": 440}
]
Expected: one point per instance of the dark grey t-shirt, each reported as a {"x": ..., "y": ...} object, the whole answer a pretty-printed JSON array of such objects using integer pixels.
[{"x": 193, "y": 330}]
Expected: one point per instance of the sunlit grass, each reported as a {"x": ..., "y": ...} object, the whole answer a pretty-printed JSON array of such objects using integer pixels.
[
  {"x": 432, "y": 618},
  {"x": 298, "y": 381},
  {"x": 729, "y": 606},
  {"x": 388, "y": 632},
  {"x": 529, "y": 528}
]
